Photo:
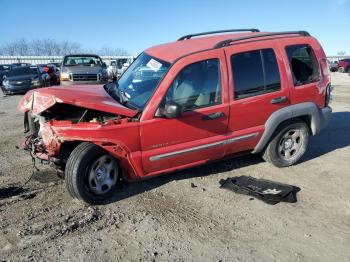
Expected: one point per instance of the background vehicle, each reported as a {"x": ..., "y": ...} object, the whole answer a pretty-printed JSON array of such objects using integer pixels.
[
  {"x": 83, "y": 69},
  {"x": 344, "y": 65},
  {"x": 53, "y": 72},
  {"x": 3, "y": 70},
  {"x": 112, "y": 69},
  {"x": 57, "y": 65},
  {"x": 117, "y": 67},
  {"x": 184, "y": 104},
  {"x": 123, "y": 65},
  {"x": 21, "y": 79},
  {"x": 333, "y": 66},
  {"x": 14, "y": 65}
]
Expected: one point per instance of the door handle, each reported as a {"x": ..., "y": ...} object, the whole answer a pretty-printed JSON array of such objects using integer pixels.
[
  {"x": 212, "y": 116},
  {"x": 278, "y": 100}
]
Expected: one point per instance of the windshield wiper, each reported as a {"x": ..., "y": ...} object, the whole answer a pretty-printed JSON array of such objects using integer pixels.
[{"x": 113, "y": 90}]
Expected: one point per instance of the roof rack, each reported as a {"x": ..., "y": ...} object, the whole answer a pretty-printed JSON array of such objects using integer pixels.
[
  {"x": 186, "y": 37},
  {"x": 229, "y": 41}
]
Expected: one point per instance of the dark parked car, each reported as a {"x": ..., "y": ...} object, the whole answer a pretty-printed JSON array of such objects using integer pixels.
[
  {"x": 21, "y": 79},
  {"x": 3, "y": 70}
]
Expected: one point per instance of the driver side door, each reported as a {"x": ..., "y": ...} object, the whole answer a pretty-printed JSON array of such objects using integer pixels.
[{"x": 198, "y": 83}]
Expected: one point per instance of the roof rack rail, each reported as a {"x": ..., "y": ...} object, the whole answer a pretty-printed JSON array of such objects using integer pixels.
[
  {"x": 229, "y": 41},
  {"x": 185, "y": 37}
]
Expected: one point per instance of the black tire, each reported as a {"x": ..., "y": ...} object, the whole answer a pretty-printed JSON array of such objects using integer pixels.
[
  {"x": 77, "y": 174},
  {"x": 288, "y": 144},
  {"x": 347, "y": 69},
  {"x": 4, "y": 91}
]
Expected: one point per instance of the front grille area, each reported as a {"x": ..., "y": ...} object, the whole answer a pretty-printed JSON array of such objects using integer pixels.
[
  {"x": 85, "y": 77},
  {"x": 20, "y": 82}
]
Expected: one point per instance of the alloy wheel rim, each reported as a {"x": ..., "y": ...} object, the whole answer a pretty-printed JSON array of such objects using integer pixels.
[
  {"x": 103, "y": 175},
  {"x": 290, "y": 144}
]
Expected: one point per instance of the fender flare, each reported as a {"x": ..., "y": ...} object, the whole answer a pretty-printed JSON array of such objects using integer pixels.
[{"x": 318, "y": 119}]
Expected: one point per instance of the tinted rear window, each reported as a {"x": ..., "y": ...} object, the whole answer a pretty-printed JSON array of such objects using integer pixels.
[{"x": 254, "y": 73}]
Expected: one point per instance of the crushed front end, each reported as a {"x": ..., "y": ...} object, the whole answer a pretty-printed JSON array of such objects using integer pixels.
[
  {"x": 55, "y": 124},
  {"x": 40, "y": 141}
]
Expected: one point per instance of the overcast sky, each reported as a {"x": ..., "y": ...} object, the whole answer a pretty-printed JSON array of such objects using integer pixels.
[{"x": 135, "y": 25}]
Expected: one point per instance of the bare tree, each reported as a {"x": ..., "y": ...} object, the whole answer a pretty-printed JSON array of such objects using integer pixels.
[
  {"x": 8, "y": 49},
  {"x": 36, "y": 47},
  {"x": 70, "y": 48},
  {"x": 51, "y": 47},
  {"x": 108, "y": 51},
  {"x": 21, "y": 46}
]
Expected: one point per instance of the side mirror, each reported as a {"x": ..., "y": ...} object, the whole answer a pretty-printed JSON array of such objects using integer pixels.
[{"x": 170, "y": 110}]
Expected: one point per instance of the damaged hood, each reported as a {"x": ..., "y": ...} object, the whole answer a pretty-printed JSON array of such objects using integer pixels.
[{"x": 90, "y": 97}]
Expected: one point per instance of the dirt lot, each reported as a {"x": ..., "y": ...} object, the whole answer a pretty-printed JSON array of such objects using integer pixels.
[{"x": 166, "y": 219}]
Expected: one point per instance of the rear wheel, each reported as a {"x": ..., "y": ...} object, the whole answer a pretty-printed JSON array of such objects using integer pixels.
[
  {"x": 91, "y": 174},
  {"x": 288, "y": 145}
]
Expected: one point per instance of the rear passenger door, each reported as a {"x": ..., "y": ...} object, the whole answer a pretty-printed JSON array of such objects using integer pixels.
[{"x": 257, "y": 88}]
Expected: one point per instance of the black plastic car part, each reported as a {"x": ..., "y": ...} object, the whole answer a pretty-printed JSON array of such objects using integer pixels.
[
  {"x": 268, "y": 191},
  {"x": 186, "y": 37},
  {"x": 256, "y": 36}
]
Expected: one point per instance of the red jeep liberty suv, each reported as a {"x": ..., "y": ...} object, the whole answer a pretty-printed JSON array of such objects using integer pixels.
[{"x": 184, "y": 104}]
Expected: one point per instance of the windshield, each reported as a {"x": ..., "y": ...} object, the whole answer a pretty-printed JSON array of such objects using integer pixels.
[
  {"x": 82, "y": 60},
  {"x": 23, "y": 71},
  {"x": 139, "y": 81}
]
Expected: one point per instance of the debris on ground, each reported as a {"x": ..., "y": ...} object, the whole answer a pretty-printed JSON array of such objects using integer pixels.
[{"x": 268, "y": 191}]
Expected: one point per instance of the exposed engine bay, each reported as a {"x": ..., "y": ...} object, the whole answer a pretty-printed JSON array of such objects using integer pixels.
[
  {"x": 41, "y": 140},
  {"x": 76, "y": 114}
]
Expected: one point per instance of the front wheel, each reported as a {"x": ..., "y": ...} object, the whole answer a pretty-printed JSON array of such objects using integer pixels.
[
  {"x": 91, "y": 174},
  {"x": 288, "y": 145}
]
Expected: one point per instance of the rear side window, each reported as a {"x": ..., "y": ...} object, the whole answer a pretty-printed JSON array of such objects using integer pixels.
[
  {"x": 255, "y": 73},
  {"x": 303, "y": 63}
]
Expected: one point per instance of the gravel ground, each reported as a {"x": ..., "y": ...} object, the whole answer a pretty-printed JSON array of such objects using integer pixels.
[{"x": 167, "y": 219}]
